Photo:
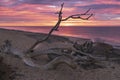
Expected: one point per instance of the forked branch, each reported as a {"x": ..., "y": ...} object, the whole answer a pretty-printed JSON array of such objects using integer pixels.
[
  {"x": 79, "y": 16},
  {"x": 55, "y": 28}
]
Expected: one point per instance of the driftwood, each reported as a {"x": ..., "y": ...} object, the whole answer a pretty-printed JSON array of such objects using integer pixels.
[
  {"x": 97, "y": 48},
  {"x": 57, "y": 25},
  {"x": 9, "y": 49},
  {"x": 86, "y": 53},
  {"x": 70, "y": 56},
  {"x": 64, "y": 56}
]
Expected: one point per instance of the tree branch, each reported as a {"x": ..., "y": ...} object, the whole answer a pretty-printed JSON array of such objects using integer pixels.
[
  {"x": 55, "y": 28},
  {"x": 78, "y": 16}
]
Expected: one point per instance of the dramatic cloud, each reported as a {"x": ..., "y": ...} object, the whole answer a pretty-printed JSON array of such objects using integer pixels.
[
  {"x": 101, "y": 6},
  {"x": 42, "y": 11},
  {"x": 10, "y": 3}
]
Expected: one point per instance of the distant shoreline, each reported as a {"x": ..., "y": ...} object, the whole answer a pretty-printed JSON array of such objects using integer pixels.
[
  {"x": 108, "y": 34},
  {"x": 38, "y": 33}
]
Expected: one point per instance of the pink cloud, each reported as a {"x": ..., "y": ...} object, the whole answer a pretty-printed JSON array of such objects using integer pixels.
[{"x": 41, "y": 12}]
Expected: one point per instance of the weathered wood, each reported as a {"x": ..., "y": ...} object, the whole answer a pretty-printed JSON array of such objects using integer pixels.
[
  {"x": 57, "y": 25},
  {"x": 26, "y": 58}
]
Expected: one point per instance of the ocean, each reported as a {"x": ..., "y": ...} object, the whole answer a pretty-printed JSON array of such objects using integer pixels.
[{"x": 107, "y": 34}]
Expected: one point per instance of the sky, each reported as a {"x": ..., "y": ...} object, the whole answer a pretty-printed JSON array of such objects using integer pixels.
[{"x": 42, "y": 12}]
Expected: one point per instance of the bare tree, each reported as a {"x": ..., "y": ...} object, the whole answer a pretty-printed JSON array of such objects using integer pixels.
[{"x": 55, "y": 28}]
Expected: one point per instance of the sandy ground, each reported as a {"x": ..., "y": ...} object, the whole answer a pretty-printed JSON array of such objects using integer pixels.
[{"x": 23, "y": 41}]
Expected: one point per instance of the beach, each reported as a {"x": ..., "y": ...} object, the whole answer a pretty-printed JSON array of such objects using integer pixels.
[{"x": 24, "y": 40}]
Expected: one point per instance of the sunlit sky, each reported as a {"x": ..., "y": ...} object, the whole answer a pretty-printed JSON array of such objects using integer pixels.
[{"x": 42, "y": 12}]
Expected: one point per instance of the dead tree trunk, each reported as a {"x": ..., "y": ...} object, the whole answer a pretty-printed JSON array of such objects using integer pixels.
[{"x": 55, "y": 28}]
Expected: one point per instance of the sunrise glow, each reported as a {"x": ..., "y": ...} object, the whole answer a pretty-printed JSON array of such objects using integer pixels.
[{"x": 42, "y": 13}]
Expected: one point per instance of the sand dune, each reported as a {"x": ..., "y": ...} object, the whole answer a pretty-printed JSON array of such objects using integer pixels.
[{"x": 24, "y": 40}]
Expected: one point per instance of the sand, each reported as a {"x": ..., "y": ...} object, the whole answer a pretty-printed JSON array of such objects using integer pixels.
[{"x": 24, "y": 40}]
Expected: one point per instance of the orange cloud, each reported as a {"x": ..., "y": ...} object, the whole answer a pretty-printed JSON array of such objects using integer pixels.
[{"x": 43, "y": 15}]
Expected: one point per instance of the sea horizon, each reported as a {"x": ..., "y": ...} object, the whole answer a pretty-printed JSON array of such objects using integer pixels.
[{"x": 108, "y": 34}]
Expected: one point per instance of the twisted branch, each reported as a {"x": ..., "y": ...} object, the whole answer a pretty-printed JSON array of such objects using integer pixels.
[
  {"x": 79, "y": 16},
  {"x": 26, "y": 58},
  {"x": 55, "y": 28}
]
